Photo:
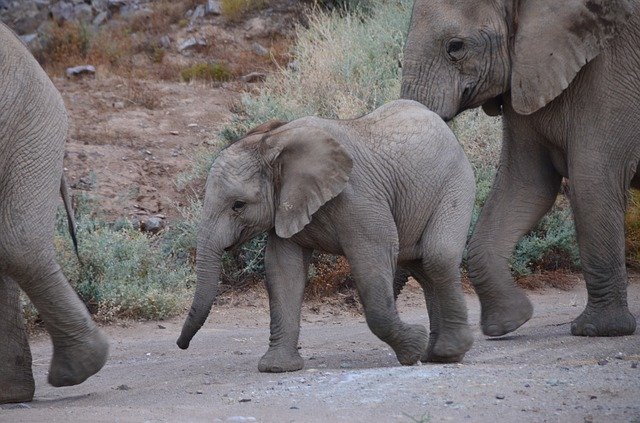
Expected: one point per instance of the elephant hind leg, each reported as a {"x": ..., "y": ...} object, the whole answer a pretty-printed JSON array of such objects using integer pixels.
[
  {"x": 16, "y": 377},
  {"x": 439, "y": 274}
]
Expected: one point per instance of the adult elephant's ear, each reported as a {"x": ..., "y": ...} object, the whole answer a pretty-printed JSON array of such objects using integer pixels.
[
  {"x": 553, "y": 40},
  {"x": 309, "y": 168}
]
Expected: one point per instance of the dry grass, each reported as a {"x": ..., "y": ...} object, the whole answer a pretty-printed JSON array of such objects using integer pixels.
[{"x": 329, "y": 275}]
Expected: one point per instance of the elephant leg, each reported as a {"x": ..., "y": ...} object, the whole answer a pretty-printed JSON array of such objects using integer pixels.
[
  {"x": 27, "y": 256},
  {"x": 286, "y": 265},
  {"x": 598, "y": 200},
  {"x": 525, "y": 188},
  {"x": 443, "y": 242},
  {"x": 373, "y": 259},
  {"x": 16, "y": 378}
]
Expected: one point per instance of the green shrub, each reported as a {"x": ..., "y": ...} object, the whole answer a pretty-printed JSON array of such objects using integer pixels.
[
  {"x": 122, "y": 272},
  {"x": 207, "y": 72},
  {"x": 236, "y": 9}
]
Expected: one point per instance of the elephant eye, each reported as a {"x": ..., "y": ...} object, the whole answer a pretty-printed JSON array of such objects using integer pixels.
[
  {"x": 238, "y": 205},
  {"x": 455, "y": 49}
]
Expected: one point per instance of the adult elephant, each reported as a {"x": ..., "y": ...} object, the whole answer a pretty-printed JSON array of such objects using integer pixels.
[
  {"x": 33, "y": 128},
  {"x": 566, "y": 76}
]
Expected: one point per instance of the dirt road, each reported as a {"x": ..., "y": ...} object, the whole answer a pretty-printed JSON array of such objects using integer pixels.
[{"x": 539, "y": 374}]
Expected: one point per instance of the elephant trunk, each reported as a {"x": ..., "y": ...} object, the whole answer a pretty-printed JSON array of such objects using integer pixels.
[
  {"x": 208, "y": 260},
  {"x": 440, "y": 96}
]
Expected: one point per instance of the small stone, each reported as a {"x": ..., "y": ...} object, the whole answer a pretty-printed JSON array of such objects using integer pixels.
[
  {"x": 552, "y": 382},
  {"x": 212, "y": 7},
  {"x": 603, "y": 362},
  {"x": 448, "y": 402},
  {"x": 118, "y": 104},
  {"x": 199, "y": 392},
  {"x": 152, "y": 224},
  {"x": 526, "y": 385},
  {"x": 254, "y": 77},
  {"x": 258, "y": 49},
  {"x": 28, "y": 38},
  {"x": 619, "y": 355},
  {"x": 165, "y": 41},
  {"x": 191, "y": 42},
  {"x": 634, "y": 364},
  {"x": 499, "y": 396},
  {"x": 123, "y": 387},
  {"x": 293, "y": 66},
  {"x": 345, "y": 365},
  {"x": 293, "y": 407},
  {"x": 592, "y": 397},
  {"x": 161, "y": 327},
  {"x": 244, "y": 400},
  {"x": 241, "y": 419},
  {"x": 174, "y": 132},
  {"x": 81, "y": 70},
  {"x": 100, "y": 18}
]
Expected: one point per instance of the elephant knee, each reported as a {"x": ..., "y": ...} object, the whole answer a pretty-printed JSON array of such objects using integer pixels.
[{"x": 24, "y": 258}]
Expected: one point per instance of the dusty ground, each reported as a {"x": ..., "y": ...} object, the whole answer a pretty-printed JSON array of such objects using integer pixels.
[
  {"x": 130, "y": 156},
  {"x": 539, "y": 374}
]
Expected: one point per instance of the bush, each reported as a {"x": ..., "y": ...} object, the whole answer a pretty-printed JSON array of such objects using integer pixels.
[
  {"x": 235, "y": 9},
  {"x": 632, "y": 227},
  {"x": 122, "y": 272},
  {"x": 207, "y": 72}
]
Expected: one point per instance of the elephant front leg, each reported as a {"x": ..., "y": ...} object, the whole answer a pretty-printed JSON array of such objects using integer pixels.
[
  {"x": 16, "y": 377},
  {"x": 525, "y": 188},
  {"x": 598, "y": 202},
  {"x": 373, "y": 259},
  {"x": 286, "y": 265}
]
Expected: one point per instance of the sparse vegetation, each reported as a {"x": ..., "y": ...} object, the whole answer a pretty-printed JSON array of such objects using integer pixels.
[
  {"x": 207, "y": 72},
  {"x": 233, "y": 10}
]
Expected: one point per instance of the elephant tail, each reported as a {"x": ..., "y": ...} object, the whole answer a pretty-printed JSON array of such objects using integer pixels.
[{"x": 66, "y": 199}]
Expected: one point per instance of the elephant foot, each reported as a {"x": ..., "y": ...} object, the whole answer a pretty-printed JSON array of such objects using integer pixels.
[
  {"x": 280, "y": 360},
  {"x": 450, "y": 346},
  {"x": 20, "y": 388},
  {"x": 504, "y": 314},
  {"x": 410, "y": 344},
  {"x": 613, "y": 320},
  {"x": 74, "y": 363}
]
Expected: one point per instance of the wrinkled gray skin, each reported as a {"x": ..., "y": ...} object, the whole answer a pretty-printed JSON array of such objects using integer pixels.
[
  {"x": 33, "y": 127},
  {"x": 566, "y": 76},
  {"x": 390, "y": 188}
]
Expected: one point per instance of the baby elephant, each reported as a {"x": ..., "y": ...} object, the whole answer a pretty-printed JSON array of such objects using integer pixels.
[{"x": 390, "y": 188}]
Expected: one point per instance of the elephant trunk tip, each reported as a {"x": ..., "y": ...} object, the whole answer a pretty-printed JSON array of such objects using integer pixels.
[{"x": 183, "y": 342}]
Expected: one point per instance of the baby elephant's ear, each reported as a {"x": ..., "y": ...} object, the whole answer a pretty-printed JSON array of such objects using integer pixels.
[{"x": 310, "y": 168}]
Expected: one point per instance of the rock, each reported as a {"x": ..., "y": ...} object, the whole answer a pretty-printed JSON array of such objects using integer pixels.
[
  {"x": 165, "y": 41},
  {"x": 499, "y": 396},
  {"x": 100, "y": 18},
  {"x": 212, "y": 7},
  {"x": 619, "y": 355},
  {"x": 254, "y": 77},
  {"x": 192, "y": 42},
  {"x": 161, "y": 327},
  {"x": 293, "y": 66},
  {"x": 255, "y": 27},
  {"x": 80, "y": 70},
  {"x": 28, "y": 38},
  {"x": 634, "y": 364},
  {"x": 83, "y": 12},
  {"x": 62, "y": 12},
  {"x": 198, "y": 13},
  {"x": 118, "y": 104},
  {"x": 258, "y": 49},
  {"x": 123, "y": 387},
  {"x": 152, "y": 224},
  {"x": 603, "y": 362}
]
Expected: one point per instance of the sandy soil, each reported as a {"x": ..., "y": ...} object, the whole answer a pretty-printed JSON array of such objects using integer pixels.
[{"x": 540, "y": 373}]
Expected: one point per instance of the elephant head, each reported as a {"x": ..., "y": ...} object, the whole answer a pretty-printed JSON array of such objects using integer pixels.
[
  {"x": 463, "y": 54},
  {"x": 275, "y": 177}
]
